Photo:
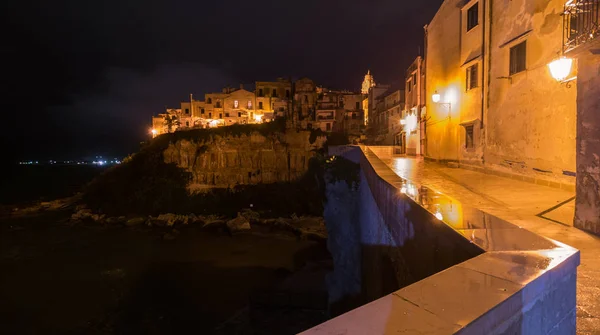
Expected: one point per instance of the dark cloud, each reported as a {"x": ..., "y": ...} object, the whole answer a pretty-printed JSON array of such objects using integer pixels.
[{"x": 93, "y": 73}]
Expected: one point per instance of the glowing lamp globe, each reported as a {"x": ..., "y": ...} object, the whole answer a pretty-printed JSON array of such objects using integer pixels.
[
  {"x": 436, "y": 97},
  {"x": 561, "y": 68},
  {"x": 411, "y": 122}
]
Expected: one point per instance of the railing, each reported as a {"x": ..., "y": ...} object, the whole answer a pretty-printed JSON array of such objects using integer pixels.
[{"x": 580, "y": 23}]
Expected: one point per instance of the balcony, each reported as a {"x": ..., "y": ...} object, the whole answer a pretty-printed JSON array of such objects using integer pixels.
[{"x": 580, "y": 23}]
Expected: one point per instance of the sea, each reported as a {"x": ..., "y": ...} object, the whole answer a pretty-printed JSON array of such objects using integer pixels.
[{"x": 26, "y": 184}]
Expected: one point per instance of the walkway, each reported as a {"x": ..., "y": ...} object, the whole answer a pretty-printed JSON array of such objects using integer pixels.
[{"x": 546, "y": 211}]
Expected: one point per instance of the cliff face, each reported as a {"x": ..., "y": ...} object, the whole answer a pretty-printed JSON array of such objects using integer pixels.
[{"x": 222, "y": 162}]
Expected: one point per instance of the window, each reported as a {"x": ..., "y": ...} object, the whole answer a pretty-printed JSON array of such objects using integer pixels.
[
  {"x": 187, "y": 110},
  {"x": 187, "y": 123},
  {"x": 226, "y": 114},
  {"x": 236, "y": 104},
  {"x": 210, "y": 115},
  {"x": 306, "y": 99},
  {"x": 275, "y": 92},
  {"x": 472, "y": 79},
  {"x": 220, "y": 115},
  {"x": 239, "y": 114},
  {"x": 260, "y": 105},
  {"x": 328, "y": 127},
  {"x": 249, "y": 104},
  {"x": 409, "y": 85},
  {"x": 209, "y": 101},
  {"x": 260, "y": 92},
  {"x": 287, "y": 94},
  {"x": 201, "y": 110},
  {"x": 473, "y": 17},
  {"x": 357, "y": 107},
  {"x": 469, "y": 142},
  {"x": 353, "y": 116},
  {"x": 218, "y": 104},
  {"x": 518, "y": 58}
]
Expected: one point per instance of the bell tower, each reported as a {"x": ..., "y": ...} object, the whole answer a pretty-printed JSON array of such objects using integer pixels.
[{"x": 367, "y": 83}]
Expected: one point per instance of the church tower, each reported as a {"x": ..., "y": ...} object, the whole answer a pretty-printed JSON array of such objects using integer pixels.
[{"x": 367, "y": 83}]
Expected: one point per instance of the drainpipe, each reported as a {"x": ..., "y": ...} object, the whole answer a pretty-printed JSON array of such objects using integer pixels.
[{"x": 490, "y": 3}]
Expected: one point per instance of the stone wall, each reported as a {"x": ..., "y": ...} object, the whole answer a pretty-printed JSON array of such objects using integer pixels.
[
  {"x": 587, "y": 210},
  {"x": 531, "y": 122},
  {"x": 222, "y": 162},
  {"x": 522, "y": 284},
  {"x": 377, "y": 240}
]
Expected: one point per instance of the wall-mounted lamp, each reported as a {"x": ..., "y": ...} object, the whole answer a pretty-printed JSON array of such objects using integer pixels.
[
  {"x": 411, "y": 123},
  {"x": 560, "y": 70},
  {"x": 436, "y": 97}
]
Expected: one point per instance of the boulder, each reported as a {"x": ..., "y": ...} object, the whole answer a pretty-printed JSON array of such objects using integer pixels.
[
  {"x": 81, "y": 214},
  {"x": 168, "y": 219},
  {"x": 173, "y": 219},
  {"x": 112, "y": 221},
  {"x": 135, "y": 222},
  {"x": 250, "y": 215},
  {"x": 238, "y": 225}
]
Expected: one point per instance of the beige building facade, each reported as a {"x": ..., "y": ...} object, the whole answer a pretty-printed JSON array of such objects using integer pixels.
[
  {"x": 414, "y": 114},
  {"x": 491, "y": 100},
  {"x": 340, "y": 111}
]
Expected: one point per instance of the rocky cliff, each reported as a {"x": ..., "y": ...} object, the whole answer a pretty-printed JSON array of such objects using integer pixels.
[{"x": 242, "y": 159}]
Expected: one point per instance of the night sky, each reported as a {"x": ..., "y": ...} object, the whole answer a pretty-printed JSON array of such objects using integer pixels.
[{"x": 82, "y": 78}]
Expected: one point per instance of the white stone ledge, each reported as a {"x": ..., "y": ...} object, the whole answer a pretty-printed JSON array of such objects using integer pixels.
[{"x": 522, "y": 284}]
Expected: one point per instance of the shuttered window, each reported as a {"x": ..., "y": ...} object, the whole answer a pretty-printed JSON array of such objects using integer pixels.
[{"x": 518, "y": 58}]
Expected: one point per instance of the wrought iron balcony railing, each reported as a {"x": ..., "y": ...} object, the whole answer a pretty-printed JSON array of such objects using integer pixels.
[{"x": 580, "y": 23}]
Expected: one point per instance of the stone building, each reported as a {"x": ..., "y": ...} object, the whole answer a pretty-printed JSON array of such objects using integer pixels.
[
  {"x": 274, "y": 99},
  {"x": 375, "y": 106},
  {"x": 368, "y": 83},
  {"x": 340, "y": 111},
  {"x": 386, "y": 105},
  {"x": 305, "y": 101},
  {"x": 491, "y": 100},
  {"x": 414, "y": 114},
  {"x": 391, "y": 120}
]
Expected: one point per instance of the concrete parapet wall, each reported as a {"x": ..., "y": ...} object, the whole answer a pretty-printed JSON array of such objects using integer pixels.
[{"x": 489, "y": 276}]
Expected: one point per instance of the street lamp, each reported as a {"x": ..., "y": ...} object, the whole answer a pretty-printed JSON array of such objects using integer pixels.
[
  {"x": 561, "y": 68},
  {"x": 436, "y": 97}
]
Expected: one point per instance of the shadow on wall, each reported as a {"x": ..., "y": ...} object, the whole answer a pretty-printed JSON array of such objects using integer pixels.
[{"x": 382, "y": 245}]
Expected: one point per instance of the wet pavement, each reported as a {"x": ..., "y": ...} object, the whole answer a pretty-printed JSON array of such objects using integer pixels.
[{"x": 544, "y": 210}]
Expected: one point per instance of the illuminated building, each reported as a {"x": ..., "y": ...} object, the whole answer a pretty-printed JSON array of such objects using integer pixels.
[
  {"x": 491, "y": 101},
  {"x": 340, "y": 111},
  {"x": 414, "y": 110},
  {"x": 274, "y": 98},
  {"x": 368, "y": 83}
]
